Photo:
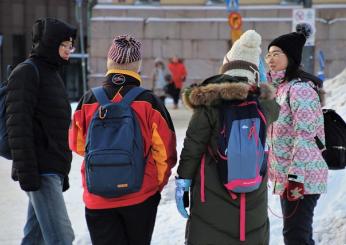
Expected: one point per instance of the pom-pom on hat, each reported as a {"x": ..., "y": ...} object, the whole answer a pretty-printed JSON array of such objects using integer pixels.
[
  {"x": 292, "y": 43},
  {"x": 243, "y": 58},
  {"x": 125, "y": 49}
]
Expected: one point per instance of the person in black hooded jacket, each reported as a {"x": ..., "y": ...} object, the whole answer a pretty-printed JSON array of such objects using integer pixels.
[{"x": 38, "y": 116}]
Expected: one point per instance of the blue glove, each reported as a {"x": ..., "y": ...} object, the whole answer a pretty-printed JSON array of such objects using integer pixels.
[{"x": 182, "y": 195}]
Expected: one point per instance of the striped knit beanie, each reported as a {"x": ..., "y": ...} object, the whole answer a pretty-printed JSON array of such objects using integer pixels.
[{"x": 125, "y": 49}]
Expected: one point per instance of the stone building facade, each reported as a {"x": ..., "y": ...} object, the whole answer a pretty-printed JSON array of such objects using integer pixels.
[
  {"x": 200, "y": 33},
  {"x": 16, "y": 20}
]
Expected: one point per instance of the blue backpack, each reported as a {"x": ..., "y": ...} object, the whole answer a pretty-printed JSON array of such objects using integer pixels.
[
  {"x": 242, "y": 155},
  {"x": 114, "y": 156},
  {"x": 5, "y": 150},
  {"x": 241, "y": 146}
]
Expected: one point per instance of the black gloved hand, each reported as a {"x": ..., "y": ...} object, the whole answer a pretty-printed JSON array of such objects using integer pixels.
[{"x": 66, "y": 184}]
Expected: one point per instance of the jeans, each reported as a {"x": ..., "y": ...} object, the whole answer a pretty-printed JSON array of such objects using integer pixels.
[
  {"x": 47, "y": 220},
  {"x": 297, "y": 228}
]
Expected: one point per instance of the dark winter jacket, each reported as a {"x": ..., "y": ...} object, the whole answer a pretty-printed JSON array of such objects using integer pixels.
[
  {"x": 216, "y": 221},
  {"x": 38, "y": 111}
]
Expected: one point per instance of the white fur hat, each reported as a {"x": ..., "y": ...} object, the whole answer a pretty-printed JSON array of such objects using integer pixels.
[{"x": 243, "y": 58}]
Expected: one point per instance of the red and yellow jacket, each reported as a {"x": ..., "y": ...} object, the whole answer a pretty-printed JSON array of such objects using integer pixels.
[{"x": 159, "y": 138}]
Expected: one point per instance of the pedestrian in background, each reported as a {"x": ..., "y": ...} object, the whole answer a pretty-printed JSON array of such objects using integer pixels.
[
  {"x": 161, "y": 78},
  {"x": 179, "y": 73}
]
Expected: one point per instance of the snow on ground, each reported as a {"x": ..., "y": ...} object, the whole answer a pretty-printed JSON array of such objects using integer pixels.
[{"x": 330, "y": 214}]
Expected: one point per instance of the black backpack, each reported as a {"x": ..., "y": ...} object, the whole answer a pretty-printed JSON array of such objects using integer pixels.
[
  {"x": 5, "y": 150},
  {"x": 335, "y": 132},
  {"x": 334, "y": 152}
]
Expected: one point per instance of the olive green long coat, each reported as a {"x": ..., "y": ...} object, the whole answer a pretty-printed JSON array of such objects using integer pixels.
[{"x": 216, "y": 221}]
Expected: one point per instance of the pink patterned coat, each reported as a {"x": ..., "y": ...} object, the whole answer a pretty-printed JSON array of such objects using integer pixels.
[{"x": 293, "y": 150}]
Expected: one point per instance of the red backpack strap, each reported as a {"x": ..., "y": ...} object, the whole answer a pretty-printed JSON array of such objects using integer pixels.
[
  {"x": 202, "y": 178},
  {"x": 242, "y": 216},
  {"x": 242, "y": 211},
  {"x": 202, "y": 172}
]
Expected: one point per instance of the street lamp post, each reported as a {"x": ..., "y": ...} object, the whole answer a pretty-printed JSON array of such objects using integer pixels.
[
  {"x": 308, "y": 51},
  {"x": 307, "y": 3},
  {"x": 79, "y": 17},
  {"x": 1, "y": 38}
]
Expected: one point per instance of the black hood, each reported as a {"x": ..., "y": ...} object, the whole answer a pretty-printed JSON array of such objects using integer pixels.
[{"x": 47, "y": 34}]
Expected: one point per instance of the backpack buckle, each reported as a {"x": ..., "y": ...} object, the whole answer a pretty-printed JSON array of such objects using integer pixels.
[{"x": 102, "y": 113}]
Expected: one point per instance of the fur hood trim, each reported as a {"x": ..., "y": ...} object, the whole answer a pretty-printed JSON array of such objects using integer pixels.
[{"x": 211, "y": 93}]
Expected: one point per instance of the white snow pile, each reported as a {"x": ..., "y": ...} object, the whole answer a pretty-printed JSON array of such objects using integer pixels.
[
  {"x": 330, "y": 215},
  {"x": 336, "y": 89}
]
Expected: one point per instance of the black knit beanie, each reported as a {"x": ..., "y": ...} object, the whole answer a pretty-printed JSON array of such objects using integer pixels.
[{"x": 292, "y": 43}]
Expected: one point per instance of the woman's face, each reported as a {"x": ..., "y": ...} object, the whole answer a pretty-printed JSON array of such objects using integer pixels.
[
  {"x": 175, "y": 59},
  {"x": 276, "y": 59},
  {"x": 159, "y": 65}
]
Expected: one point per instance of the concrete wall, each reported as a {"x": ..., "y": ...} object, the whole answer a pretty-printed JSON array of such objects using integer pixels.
[
  {"x": 202, "y": 2},
  {"x": 18, "y": 16},
  {"x": 200, "y": 34}
]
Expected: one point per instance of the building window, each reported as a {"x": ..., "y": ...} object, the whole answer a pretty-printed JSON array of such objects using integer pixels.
[
  {"x": 291, "y": 1},
  {"x": 211, "y": 2},
  {"x": 18, "y": 49},
  {"x": 147, "y": 2},
  {"x": 72, "y": 76},
  {"x": 1, "y": 57}
]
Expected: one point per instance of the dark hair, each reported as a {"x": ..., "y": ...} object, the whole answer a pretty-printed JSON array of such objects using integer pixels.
[
  {"x": 292, "y": 69},
  {"x": 160, "y": 62},
  {"x": 293, "y": 72}
]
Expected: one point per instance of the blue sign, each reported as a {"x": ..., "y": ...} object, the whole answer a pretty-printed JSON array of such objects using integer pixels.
[{"x": 232, "y": 5}]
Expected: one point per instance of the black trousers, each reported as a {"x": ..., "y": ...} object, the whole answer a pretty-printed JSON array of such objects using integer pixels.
[
  {"x": 162, "y": 98},
  {"x": 176, "y": 96},
  {"x": 131, "y": 225},
  {"x": 297, "y": 228}
]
